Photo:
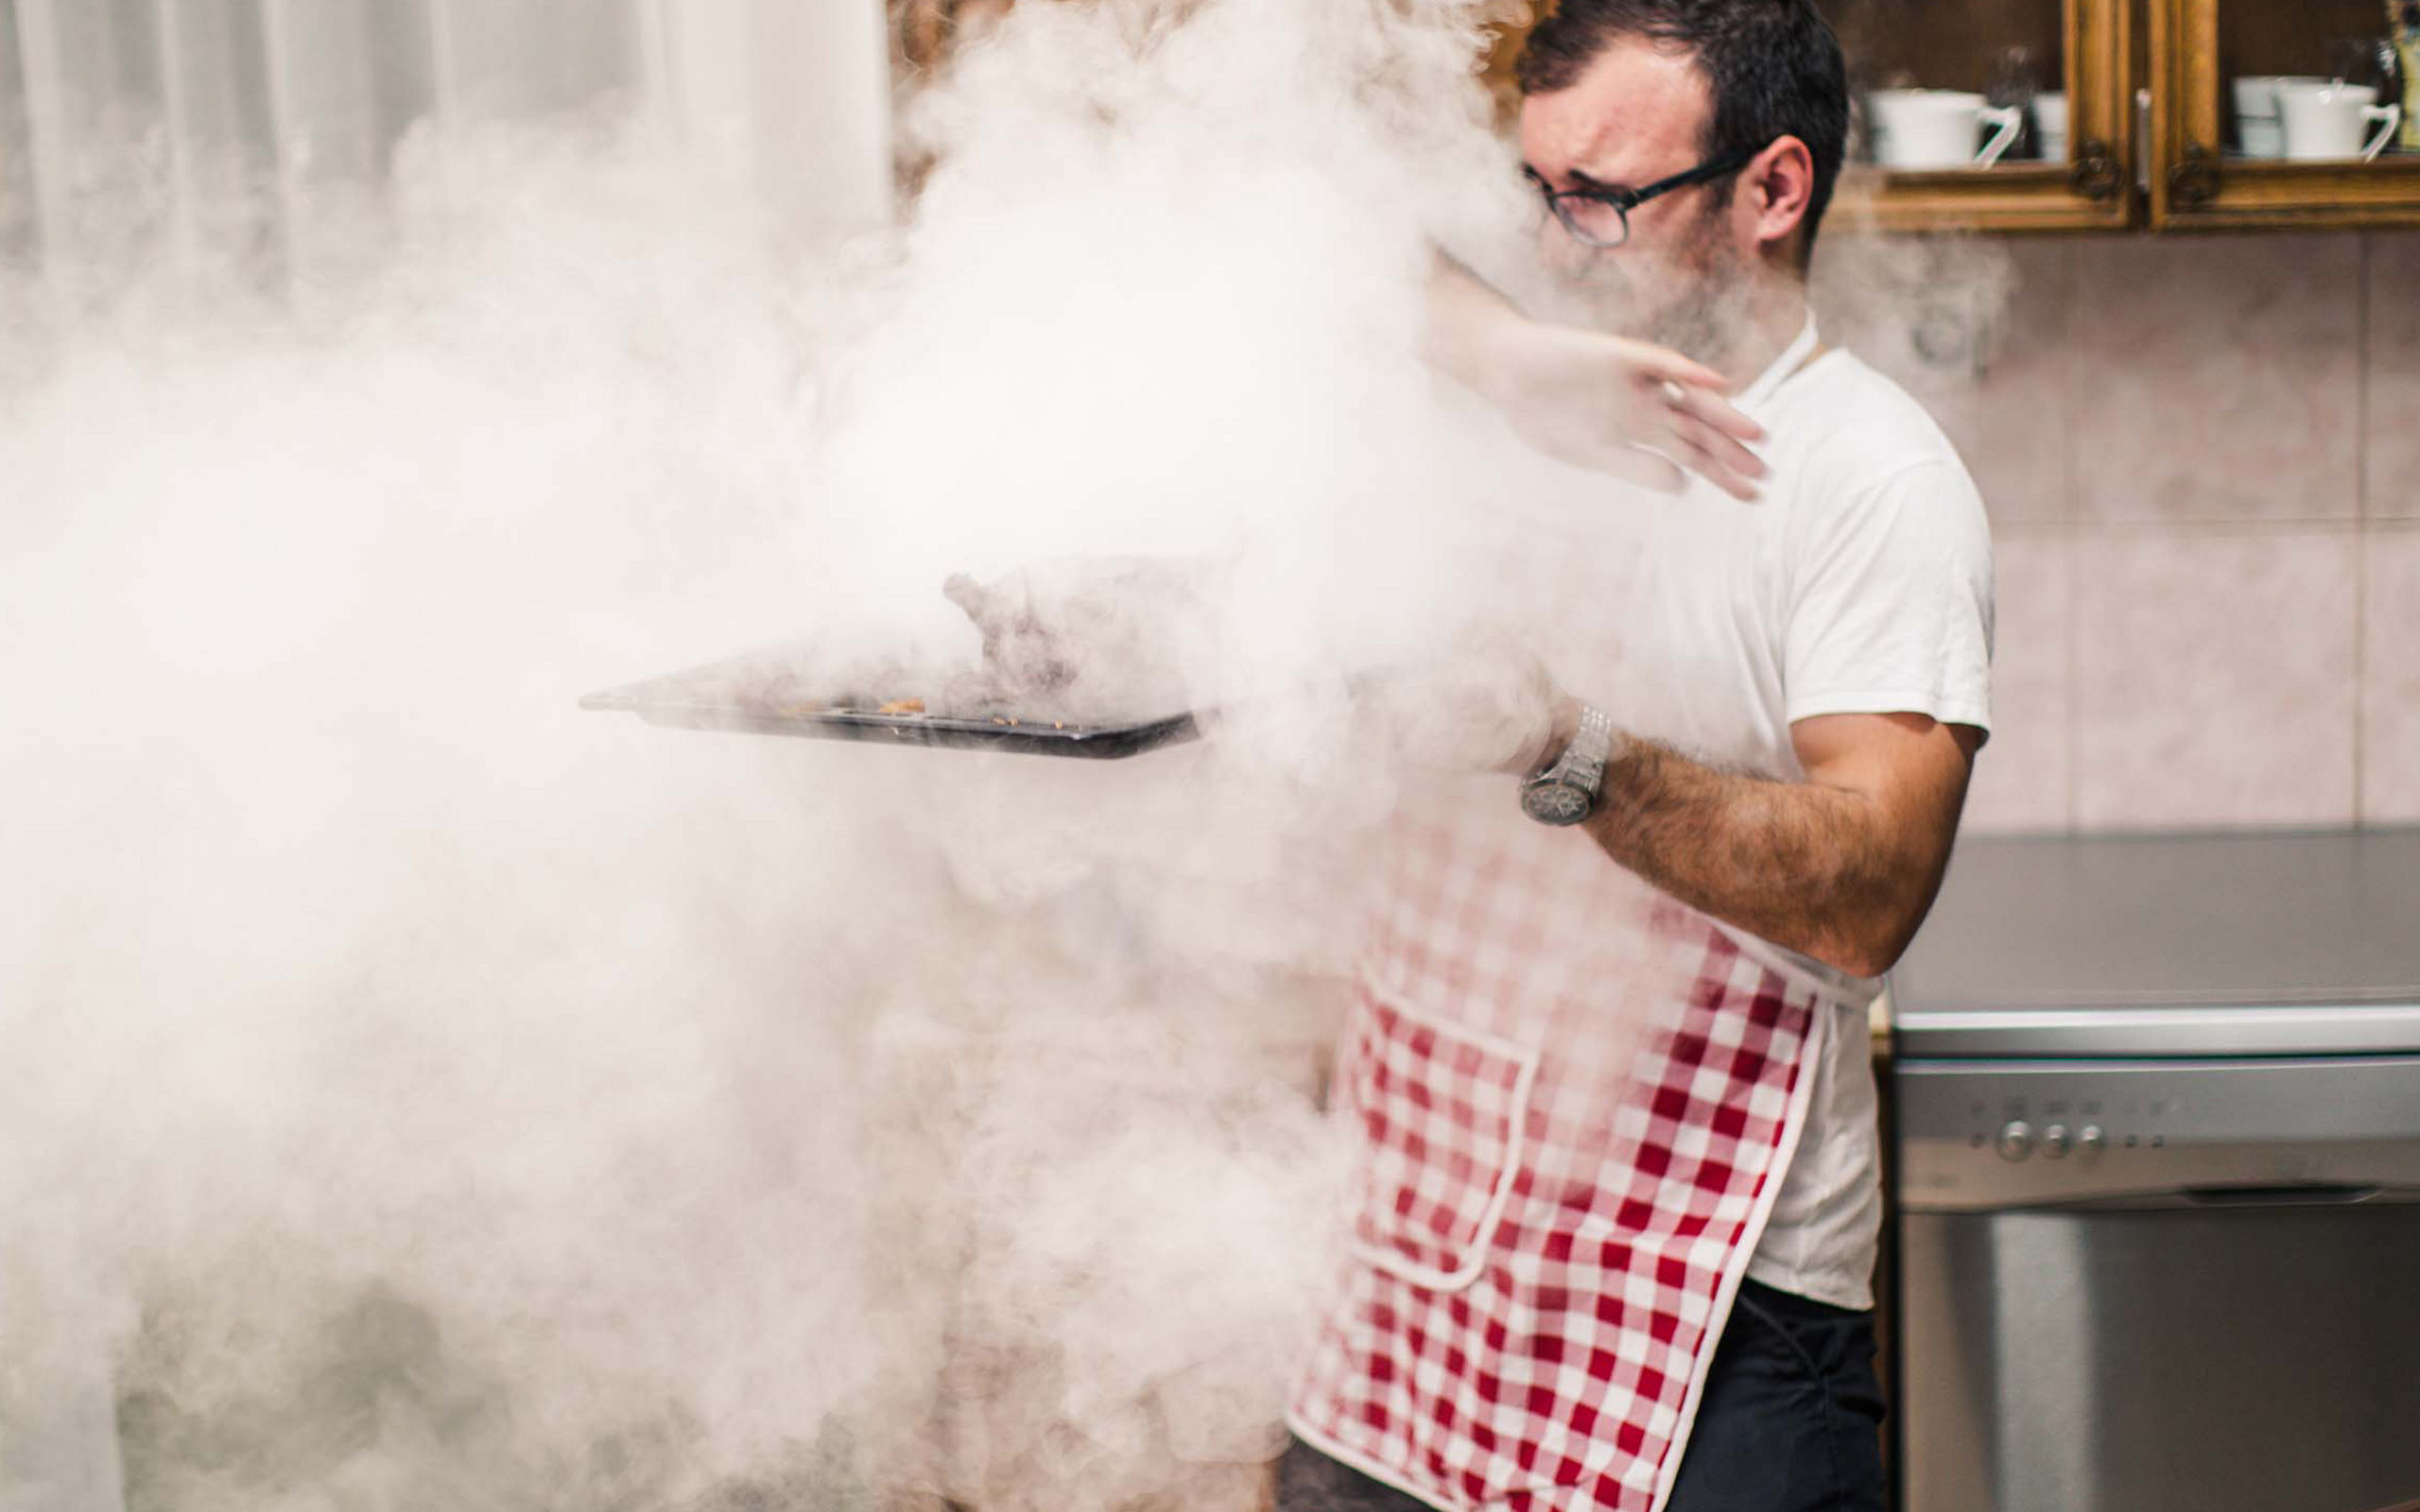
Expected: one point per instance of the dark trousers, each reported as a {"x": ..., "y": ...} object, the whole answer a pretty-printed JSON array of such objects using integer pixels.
[{"x": 1790, "y": 1423}]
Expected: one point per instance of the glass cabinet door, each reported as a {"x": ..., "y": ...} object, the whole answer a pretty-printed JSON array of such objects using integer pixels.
[
  {"x": 2004, "y": 117},
  {"x": 2284, "y": 113}
]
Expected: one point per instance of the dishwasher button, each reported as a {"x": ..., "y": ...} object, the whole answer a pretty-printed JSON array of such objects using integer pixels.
[
  {"x": 2089, "y": 1139},
  {"x": 2054, "y": 1142},
  {"x": 2016, "y": 1140}
]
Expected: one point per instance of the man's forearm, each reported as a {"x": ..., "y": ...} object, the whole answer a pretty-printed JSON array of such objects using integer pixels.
[{"x": 1811, "y": 868}]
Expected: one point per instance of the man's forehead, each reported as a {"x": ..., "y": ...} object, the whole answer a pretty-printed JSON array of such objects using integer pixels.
[{"x": 1636, "y": 105}]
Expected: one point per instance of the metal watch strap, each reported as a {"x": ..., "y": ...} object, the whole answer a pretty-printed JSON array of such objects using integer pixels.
[
  {"x": 1582, "y": 762},
  {"x": 1567, "y": 790}
]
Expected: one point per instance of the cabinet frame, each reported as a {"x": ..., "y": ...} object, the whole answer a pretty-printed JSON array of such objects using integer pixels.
[{"x": 2194, "y": 185}]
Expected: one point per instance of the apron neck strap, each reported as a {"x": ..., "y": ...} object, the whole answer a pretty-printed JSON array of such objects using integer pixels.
[{"x": 1792, "y": 357}]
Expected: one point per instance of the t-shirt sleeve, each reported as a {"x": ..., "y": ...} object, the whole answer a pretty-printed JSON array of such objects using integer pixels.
[{"x": 1890, "y": 602}]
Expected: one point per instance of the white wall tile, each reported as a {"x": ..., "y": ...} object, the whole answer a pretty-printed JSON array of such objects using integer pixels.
[
  {"x": 2391, "y": 420},
  {"x": 2391, "y": 677},
  {"x": 2218, "y": 378},
  {"x": 2215, "y": 677},
  {"x": 2022, "y": 777}
]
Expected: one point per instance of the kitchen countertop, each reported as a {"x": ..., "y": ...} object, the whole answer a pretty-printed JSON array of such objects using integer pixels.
[{"x": 2291, "y": 925}]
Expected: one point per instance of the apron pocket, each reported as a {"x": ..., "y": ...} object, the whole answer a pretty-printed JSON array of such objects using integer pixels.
[{"x": 1441, "y": 1108}]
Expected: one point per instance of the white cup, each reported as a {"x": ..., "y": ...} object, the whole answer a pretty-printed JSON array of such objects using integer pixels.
[
  {"x": 1936, "y": 128},
  {"x": 2325, "y": 121},
  {"x": 2258, "y": 127},
  {"x": 2051, "y": 125}
]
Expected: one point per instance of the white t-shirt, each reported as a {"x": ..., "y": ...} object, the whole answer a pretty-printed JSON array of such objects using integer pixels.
[{"x": 1858, "y": 582}]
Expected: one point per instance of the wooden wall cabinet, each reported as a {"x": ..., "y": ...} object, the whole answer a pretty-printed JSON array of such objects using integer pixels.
[{"x": 2153, "y": 140}]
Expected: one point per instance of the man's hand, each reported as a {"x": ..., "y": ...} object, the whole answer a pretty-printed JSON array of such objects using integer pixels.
[
  {"x": 1638, "y": 411},
  {"x": 1486, "y": 704},
  {"x": 1094, "y": 637}
]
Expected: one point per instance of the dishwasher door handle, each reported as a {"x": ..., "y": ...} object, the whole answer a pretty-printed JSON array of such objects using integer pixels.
[{"x": 2298, "y": 1195}]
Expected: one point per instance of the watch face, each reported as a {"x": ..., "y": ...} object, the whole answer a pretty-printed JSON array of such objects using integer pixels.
[{"x": 1555, "y": 803}]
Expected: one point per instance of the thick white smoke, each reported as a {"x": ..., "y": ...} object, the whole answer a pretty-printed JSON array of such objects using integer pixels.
[
  {"x": 423, "y": 1093},
  {"x": 348, "y": 959}
]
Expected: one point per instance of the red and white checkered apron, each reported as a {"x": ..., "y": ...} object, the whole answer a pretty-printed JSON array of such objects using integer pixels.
[{"x": 1573, "y": 1100}]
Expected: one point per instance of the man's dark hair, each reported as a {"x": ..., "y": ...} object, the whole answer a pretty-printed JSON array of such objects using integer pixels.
[{"x": 1772, "y": 68}]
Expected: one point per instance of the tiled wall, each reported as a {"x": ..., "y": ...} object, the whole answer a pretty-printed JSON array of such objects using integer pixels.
[{"x": 2201, "y": 457}]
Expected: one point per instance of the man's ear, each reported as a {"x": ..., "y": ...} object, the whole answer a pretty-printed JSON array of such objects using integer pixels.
[{"x": 1779, "y": 184}]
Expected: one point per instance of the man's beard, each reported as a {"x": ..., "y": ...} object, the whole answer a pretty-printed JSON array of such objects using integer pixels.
[{"x": 1693, "y": 301}]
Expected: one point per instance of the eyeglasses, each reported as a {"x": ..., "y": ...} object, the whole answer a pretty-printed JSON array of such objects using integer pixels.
[{"x": 1599, "y": 218}]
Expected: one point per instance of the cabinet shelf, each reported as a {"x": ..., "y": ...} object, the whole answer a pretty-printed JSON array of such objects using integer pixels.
[
  {"x": 2253, "y": 193},
  {"x": 2021, "y": 197}
]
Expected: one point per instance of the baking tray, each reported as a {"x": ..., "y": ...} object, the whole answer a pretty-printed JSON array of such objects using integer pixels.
[{"x": 763, "y": 694}]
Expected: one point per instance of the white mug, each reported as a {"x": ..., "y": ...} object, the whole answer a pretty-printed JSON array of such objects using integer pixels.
[
  {"x": 1935, "y": 127},
  {"x": 2051, "y": 125},
  {"x": 2325, "y": 121},
  {"x": 2256, "y": 112}
]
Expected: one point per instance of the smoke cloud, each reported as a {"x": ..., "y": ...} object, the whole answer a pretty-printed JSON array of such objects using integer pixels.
[
  {"x": 426, "y": 1094},
  {"x": 422, "y": 1092}
]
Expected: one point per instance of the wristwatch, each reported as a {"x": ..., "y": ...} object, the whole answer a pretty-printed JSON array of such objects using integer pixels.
[{"x": 1565, "y": 792}]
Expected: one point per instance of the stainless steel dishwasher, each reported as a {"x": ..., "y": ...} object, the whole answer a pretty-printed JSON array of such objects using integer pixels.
[{"x": 2157, "y": 1111}]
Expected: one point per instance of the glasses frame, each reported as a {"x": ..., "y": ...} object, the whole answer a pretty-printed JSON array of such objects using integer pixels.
[{"x": 1625, "y": 200}]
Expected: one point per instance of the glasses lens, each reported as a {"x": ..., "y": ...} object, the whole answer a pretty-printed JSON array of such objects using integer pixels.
[{"x": 1593, "y": 221}]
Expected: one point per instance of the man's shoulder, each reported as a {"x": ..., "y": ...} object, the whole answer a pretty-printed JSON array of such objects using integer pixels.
[
  {"x": 1859, "y": 442},
  {"x": 1858, "y": 423}
]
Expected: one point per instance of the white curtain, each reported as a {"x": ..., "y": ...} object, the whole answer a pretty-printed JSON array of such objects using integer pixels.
[{"x": 225, "y": 131}]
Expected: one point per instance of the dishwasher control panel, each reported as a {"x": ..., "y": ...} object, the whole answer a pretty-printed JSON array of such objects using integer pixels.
[
  {"x": 1990, "y": 1134},
  {"x": 2019, "y": 1139}
]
